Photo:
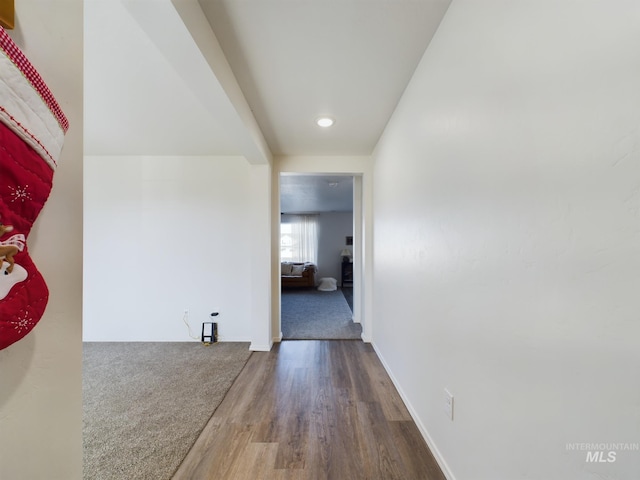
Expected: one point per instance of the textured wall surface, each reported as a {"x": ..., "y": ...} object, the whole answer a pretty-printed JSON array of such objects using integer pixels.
[{"x": 507, "y": 253}]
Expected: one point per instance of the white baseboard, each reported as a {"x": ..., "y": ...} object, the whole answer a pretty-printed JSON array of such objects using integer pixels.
[
  {"x": 412, "y": 411},
  {"x": 232, "y": 339},
  {"x": 254, "y": 347}
]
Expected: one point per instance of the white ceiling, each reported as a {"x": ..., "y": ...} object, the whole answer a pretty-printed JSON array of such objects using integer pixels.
[
  {"x": 135, "y": 101},
  {"x": 316, "y": 193},
  {"x": 296, "y": 60},
  {"x": 162, "y": 80}
]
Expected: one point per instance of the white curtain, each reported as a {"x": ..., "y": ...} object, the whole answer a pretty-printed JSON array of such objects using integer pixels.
[{"x": 299, "y": 238}]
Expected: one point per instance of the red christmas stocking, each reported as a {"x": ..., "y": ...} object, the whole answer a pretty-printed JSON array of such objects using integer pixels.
[{"x": 32, "y": 128}]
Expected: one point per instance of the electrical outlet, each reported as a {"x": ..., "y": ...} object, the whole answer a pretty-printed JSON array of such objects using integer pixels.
[{"x": 448, "y": 403}]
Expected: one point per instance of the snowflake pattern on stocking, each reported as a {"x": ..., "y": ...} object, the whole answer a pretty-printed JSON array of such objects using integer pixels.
[
  {"x": 19, "y": 194},
  {"x": 23, "y": 322}
]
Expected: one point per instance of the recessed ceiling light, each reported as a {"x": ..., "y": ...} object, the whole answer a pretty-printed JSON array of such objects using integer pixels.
[{"x": 325, "y": 121}]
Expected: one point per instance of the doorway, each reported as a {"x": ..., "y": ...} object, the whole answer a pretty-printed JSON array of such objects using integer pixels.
[{"x": 316, "y": 257}]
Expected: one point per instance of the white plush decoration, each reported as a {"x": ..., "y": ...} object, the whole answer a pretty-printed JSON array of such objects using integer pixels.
[{"x": 328, "y": 284}]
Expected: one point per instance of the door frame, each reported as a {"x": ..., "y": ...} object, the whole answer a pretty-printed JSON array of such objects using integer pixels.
[{"x": 361, "y": 169}]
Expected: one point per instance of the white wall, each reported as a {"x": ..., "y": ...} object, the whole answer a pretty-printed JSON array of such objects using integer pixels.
[
  {"x": 507, "y": 254},
  {"x": 41, "y": 375},
  {"x": 333, "y": 228},
  {"x": 165, "y": 234},
  {"x": 261, "y": 247}
]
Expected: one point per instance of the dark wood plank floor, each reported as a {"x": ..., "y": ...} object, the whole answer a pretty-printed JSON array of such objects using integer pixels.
[{"x": 311, "y": 410}]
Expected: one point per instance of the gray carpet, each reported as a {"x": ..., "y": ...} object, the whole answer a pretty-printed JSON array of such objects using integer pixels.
[
  {"x": 309, "y": 314},
  {"x": 144, "y": 404}
]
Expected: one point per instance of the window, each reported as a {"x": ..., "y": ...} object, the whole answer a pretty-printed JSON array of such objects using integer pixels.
[{"x": 298, "y": 238}]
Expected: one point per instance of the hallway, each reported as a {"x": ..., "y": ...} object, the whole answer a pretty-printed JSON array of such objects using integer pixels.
[{"x": 311, "y": 410}]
